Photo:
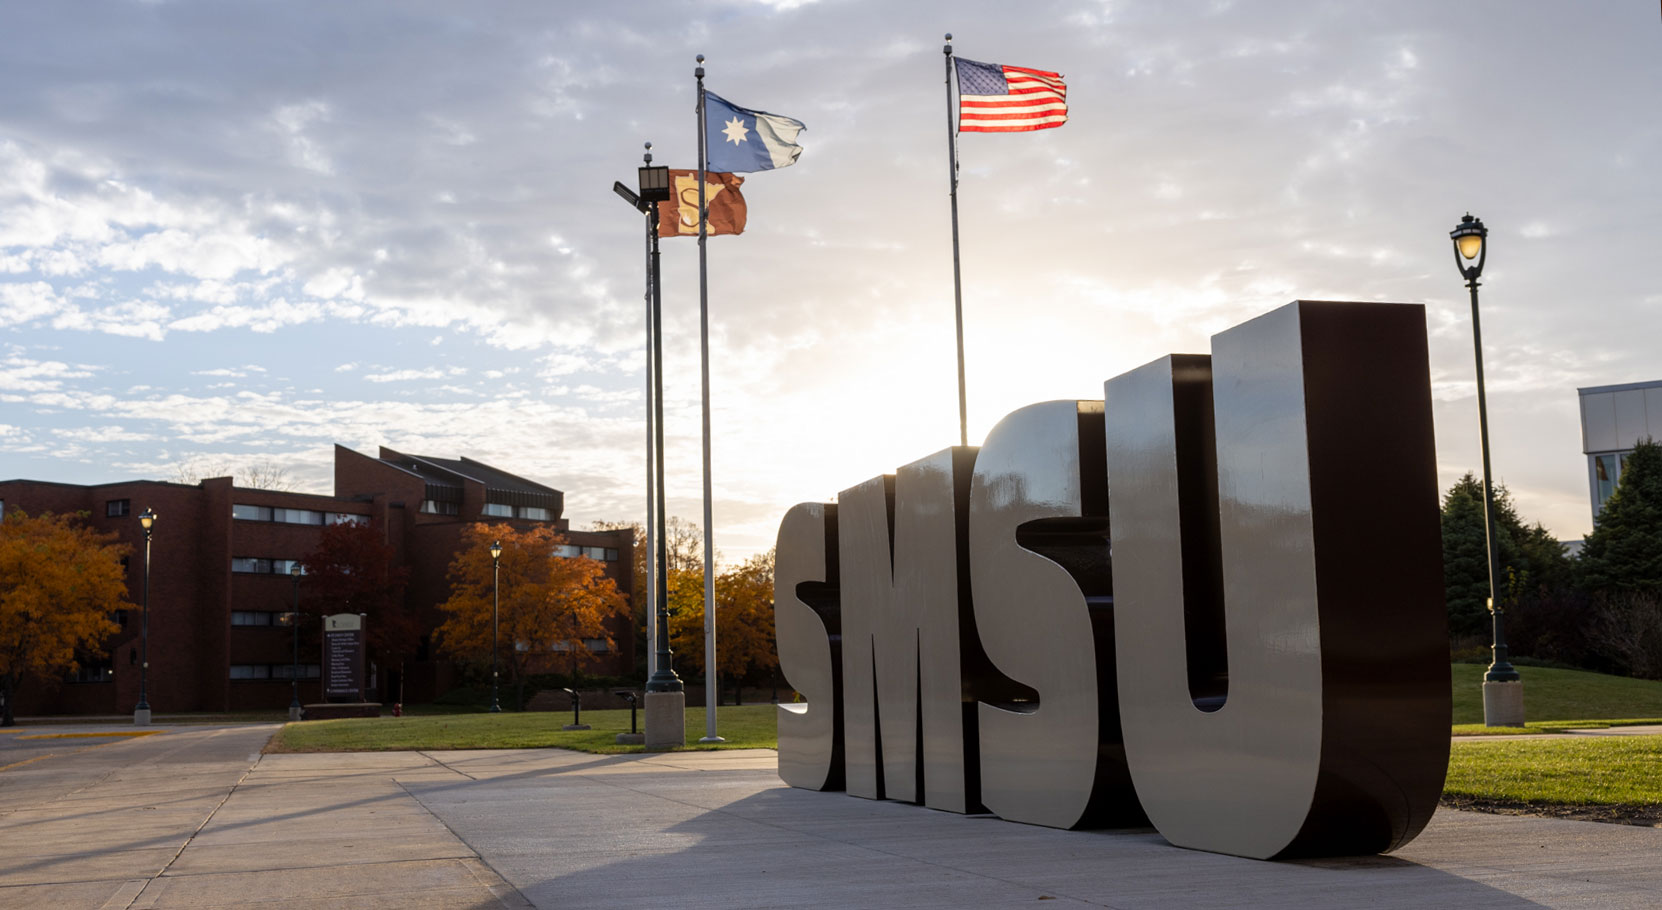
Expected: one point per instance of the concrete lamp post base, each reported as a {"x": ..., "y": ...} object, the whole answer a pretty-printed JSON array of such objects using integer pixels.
[
  {"x": 1503, "y": 704},
  {"x": 631, "y": 739},
  {"x": 576, "y": 727},
  {"x": 666, "y": 720},
  {"x": 141, "y": 717},
  {"x": 294, "y": 713}
]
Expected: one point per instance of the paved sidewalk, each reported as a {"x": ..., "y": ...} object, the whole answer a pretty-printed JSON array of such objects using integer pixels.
[
  {"x": 195, "y": 818},
  {"x": 190, "y": 817}
]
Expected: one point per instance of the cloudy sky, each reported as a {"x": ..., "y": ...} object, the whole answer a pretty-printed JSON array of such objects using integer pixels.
[{"x": 240, "y": 232}]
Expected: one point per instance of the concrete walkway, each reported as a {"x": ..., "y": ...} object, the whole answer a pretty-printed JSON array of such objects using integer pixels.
[{"x": 196, "y": 818}]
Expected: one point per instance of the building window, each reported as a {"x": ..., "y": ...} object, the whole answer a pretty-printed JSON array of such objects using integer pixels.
[
  {"x": 251, "y": 513},
  {"x": 345, "y": 518},
  {"x": 535, "y": 514},
  {"x": 253, "y": 618},
  {"x": 119, "y": 617},
  {"x": 567, "y": 551},
  {"x": 297, "y": 516},
  {"x": 596, "y": 645},
  {"x": 261, "y": 565},
  {"x": 97, "y": 672},
  {"x": 499, "y": 510},
  {"x": 117, "y": 508},
  {"x": 274, "y": 671},
  {"x": 1608, "y": 472},
  {"x": 434, "y": 507}
]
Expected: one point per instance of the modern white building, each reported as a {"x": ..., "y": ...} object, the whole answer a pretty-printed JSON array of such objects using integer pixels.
[{"x": 1613, "y": 419}]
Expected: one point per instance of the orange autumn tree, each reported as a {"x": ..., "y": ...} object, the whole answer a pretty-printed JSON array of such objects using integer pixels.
[
  {"x": 744, "y": 620},
  {"x": 548, "y": 602},
  {"x": 59, "y": 583}
]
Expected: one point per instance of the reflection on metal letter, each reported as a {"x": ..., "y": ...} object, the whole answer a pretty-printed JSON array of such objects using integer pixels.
[
  {"x": 1044, "y": 609},
  {"x": 903, "y": 613},
  {"x": 806, "y": 624},
  {"x": 1315, "y": 521}
]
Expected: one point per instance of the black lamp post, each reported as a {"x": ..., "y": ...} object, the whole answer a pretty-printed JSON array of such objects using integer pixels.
[
  {"x": 294, "y": 666},
  {"x": 141, "y": 712},
  {"x": 654, "y": 188},
  {"x": 496, "y": 603},
  {"x": 1471, "y": 245}
]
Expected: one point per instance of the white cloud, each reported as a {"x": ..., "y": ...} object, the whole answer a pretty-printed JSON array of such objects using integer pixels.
[
  {"x": 405, "y": 375},
  {"x": 293, "y": 121}
]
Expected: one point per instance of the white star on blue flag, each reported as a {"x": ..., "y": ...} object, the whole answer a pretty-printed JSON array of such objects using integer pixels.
[{"x": 740, "y": 140}]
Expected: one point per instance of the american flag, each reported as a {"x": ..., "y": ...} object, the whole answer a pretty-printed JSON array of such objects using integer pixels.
[{"x": 1008, "y": 99}]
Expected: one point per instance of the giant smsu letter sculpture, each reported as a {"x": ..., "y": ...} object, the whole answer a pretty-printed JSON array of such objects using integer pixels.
[{"x": 1256, "y": 664}]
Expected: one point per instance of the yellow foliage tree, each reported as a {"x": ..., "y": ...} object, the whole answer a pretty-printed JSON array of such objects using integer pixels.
[
  {"x": 548, "y": 602},
  {"x": 744, "y": 619},
  {"x": 59, "y": 583}
]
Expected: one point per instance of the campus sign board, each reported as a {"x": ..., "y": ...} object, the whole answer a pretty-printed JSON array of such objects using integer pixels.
[
  {"x": 1210, "y": 602},
  {"x": 343, "y": 657}
]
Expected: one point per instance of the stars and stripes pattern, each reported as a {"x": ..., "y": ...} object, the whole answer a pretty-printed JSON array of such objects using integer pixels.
[{"x": 993, "y": 98}]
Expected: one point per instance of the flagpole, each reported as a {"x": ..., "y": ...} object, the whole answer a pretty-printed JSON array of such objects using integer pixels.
[
  {"x": 651, "y": 527},
  {"x": 710, "y": 692},
  {"x": 957, "y": 277}
]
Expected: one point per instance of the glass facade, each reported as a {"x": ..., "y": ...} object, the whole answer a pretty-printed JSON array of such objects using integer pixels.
[{"x": 1607, "y": 472}]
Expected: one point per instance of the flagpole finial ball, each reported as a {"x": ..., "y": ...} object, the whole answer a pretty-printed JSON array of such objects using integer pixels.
[
  {"x": 649, "y": 145},
  {"x": 700, "y": 58},
  {"x": 949, "y": 36}
]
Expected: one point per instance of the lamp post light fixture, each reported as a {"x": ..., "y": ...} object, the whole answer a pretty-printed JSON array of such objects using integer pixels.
[
  {"x": 496, "y": 603},
  {"x": 665, "y": 705},
  {"x": 294, "y": 666},
  {"x": 1502, "y": 696},
  {"x": 654, "y": 187},
  {"x": 141, "y": 712}
]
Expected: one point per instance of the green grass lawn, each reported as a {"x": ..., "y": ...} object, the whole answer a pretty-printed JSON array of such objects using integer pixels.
[
  {"x": 1570, "y": 771},
  {"x": 1608, "y": 777},
  {"x": 1555, "y": 699},
  {"x": 744, "y": 727}
]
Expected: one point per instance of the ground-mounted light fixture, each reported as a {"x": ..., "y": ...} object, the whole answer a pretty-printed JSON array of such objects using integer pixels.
[
  {"x": 1502, "y": 698},
  {"x": 294, "y": 666},
  {"x": 496, "y": 604},
  {"x": 141, "y": 711}
]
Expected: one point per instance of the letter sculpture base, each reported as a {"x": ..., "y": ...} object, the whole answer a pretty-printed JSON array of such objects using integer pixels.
[
  {"x": 666, "y": 720},
  {"x": 1503, "y": 704}
]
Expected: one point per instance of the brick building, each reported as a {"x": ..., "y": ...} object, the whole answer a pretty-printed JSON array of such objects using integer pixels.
[{"x": 219, "y": 577}]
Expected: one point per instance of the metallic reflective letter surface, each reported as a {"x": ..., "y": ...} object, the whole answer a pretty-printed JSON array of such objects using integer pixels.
[
  {"x": 807, "y": 628},
  {"x": 1044, "y": 609},
  {"x": 1316, "y": 524},
  {"x": 904, "y": 619}
]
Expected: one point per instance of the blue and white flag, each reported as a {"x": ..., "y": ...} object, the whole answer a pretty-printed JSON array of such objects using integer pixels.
[{"x": 741, "y": 140}]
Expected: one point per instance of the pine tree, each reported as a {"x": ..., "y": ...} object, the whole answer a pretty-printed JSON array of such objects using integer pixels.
[
  {"x": 1531, "y": 561},
  {"x": 1465, "y": 557},
  {"x": 1624, "y": 552}
]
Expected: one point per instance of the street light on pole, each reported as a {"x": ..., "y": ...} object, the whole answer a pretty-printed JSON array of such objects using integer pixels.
[
  {"x": 665, "y": 705},
  {"x": 496, "y": 603},
  {"x": 1502, "y": 688},
  {"x": 294, "y": 666},
  {"x": 141, "y": 712}
]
